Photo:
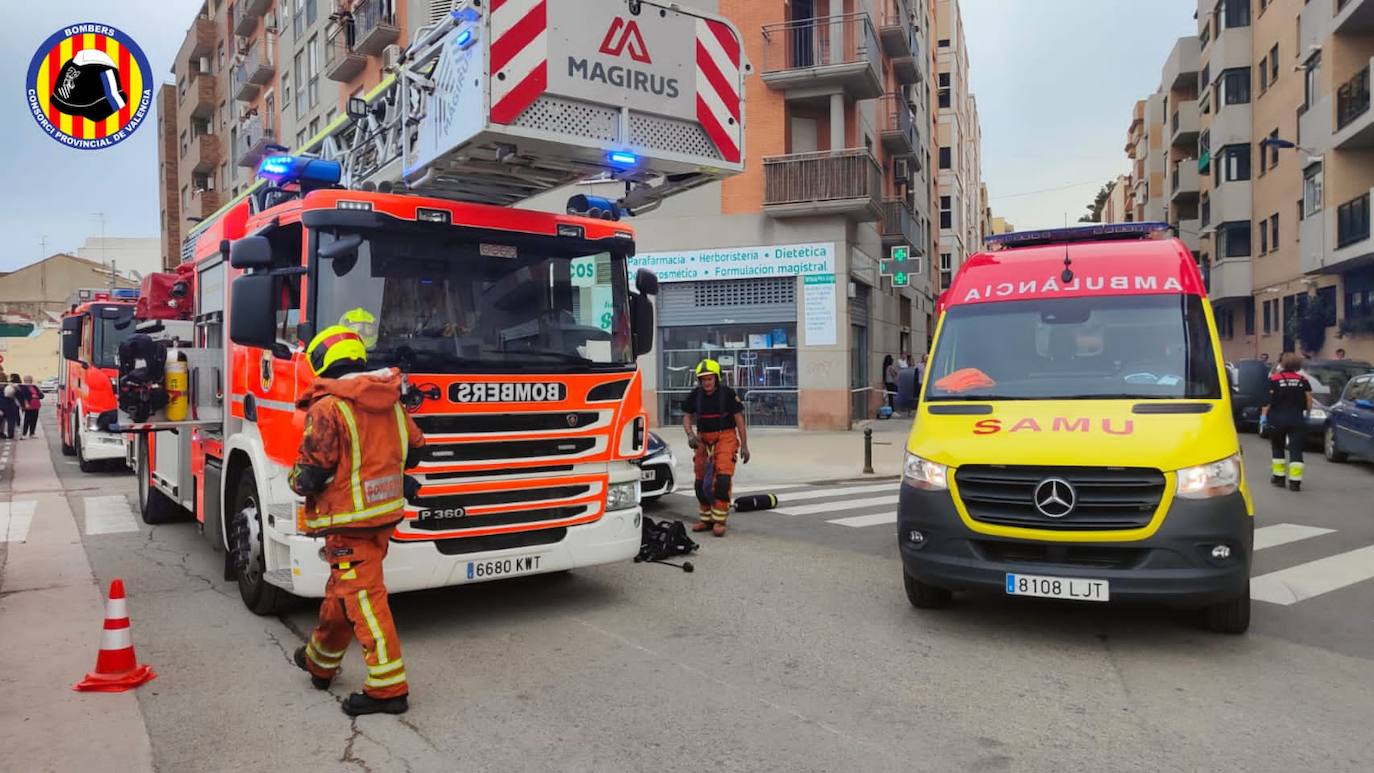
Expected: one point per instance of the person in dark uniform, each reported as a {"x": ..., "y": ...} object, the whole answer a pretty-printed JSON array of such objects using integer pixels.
[{"x": 1290, "y": 398}]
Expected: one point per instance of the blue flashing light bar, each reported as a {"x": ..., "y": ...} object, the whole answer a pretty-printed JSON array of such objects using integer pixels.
[
  {"x": 309, "y": 172},
  {"x": 464, "y": 38},
  {"x": 624, "y": 159},
  {"x": 125, "y": 293},
  {"x": 1086, "y": 233}
]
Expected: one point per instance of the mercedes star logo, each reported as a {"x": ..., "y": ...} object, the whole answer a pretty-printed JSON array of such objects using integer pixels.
[{"x": 1055, "y": 498}]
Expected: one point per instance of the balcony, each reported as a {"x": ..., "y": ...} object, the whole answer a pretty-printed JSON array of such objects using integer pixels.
[
  {"x": 204, "y": 153},
  {"x": 202, "y": 204},
  {"x": 901, "y": 40},
  {"x": 900, "y": 136},
  {"x": 374, "y": 27},
  {"x": 253, "y": 140},
  {"x": 1230, "y": 126},
  {"x": 1184, "y": 125},
  {"x": 822, "y": 56},
  {"x": 1181, "y": 68},
  {"x": 1184, "y": 182},
  {"x": 1353, "y": 17},
  {"x": 1230, "y": 49},
  {"x": 899, "y": 224},
  {"x": 200, "y": 94},
  {"x": 827, "y": 182},
  {"x": 252, "y": 73},
  {"x": 340, "y": 62},
  {"x": 1354, "y": 122},
  {"x": 200, "y": 40},
  {"x": 247, "y": 13},
  {"x": 1188, "y": 231},
  {"x": 1231, "y": 201},
  {"x": 1231, "y": 279}
]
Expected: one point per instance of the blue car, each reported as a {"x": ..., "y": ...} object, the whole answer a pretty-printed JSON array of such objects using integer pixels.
[{"x": 1350, "y": 428}]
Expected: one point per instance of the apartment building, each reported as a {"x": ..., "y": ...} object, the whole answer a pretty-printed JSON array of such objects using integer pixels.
[
  {"x": 958, "y": 140},
  {"x": 1120, "y": 204},
  {"x": 253, "y": 74}
]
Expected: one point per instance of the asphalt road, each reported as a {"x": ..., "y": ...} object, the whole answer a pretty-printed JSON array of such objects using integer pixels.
[{"x": 792, "y": 647}]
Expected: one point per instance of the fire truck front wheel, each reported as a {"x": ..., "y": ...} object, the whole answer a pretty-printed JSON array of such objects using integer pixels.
[
  {"x": 155, "y": 506},
  {"x": 69, "y": 449},
  {"x": 250, "y": 559}
]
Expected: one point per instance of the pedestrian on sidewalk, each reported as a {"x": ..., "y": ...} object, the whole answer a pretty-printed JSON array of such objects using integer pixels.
[
  {"x": 1290, "y": 398},
  {"x": 33, "y": 401},
  {"x": 719, "y": 435},
  {"x": 890, "y": 381},
  {"x": 9, "y": 404},
  {"x": 358, "y": 443}
]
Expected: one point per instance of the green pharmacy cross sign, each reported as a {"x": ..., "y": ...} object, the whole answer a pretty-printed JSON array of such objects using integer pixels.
[{"x": 897, "y": 266}]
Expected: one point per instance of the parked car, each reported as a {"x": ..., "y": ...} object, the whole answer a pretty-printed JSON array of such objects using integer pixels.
[
  {"x": 1350, "y": 430},
  {"x": 656, "y": 474},
  {"x": 1328, "y": 379},
  {"x": 48, "y": 385},
  {"x": 1249, "y": 391}
]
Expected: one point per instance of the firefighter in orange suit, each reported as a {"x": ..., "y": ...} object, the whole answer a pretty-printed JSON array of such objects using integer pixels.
[
  {"x": 351, "y": 471},
  {"x": 718, "y": 435}
]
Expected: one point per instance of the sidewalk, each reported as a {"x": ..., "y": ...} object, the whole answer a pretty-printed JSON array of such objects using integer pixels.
[
  {"x": 52, "y": 613},
  {"x": 790, "y": 456}
]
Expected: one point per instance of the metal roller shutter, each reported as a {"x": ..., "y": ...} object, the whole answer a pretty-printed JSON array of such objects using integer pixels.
[{"x": 742, "y": 301}]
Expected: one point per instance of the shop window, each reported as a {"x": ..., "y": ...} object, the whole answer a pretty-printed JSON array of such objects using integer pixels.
[{"x": 758, "y": 360}]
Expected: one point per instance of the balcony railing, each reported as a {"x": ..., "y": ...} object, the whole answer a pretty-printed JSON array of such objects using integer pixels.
[
  {"x": 840, "y": 50},
  {"x": 204, "y": 154},
  {"x": 254, "y": 71},
  {"x": 901, "y": 40},
  {"x": 840, "y": 182},
  {"x": 341, "y": 63},
  {"x": 1352, "y": 98},
  {"x": 254, "y": 137},
  {"x": 374, "y": 24},
  {"x": 899, "y": 224},
  {"x": 899, "y": 133},
  {"x": 1352, "y": 221}
]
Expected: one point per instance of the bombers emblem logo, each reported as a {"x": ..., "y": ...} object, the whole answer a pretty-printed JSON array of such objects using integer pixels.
[{"x": 89, "y": 86}]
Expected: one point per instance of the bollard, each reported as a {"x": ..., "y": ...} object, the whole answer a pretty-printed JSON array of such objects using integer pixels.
[{"x": 868, "y": 450}]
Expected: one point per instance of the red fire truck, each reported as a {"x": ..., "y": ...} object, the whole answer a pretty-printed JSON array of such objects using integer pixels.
[
  {"x": 92, "y": 329},
  {"x": 517, "y": 331}
]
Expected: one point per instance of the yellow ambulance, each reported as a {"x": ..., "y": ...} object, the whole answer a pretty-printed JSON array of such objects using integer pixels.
[{"x": 1073, "y": 435}]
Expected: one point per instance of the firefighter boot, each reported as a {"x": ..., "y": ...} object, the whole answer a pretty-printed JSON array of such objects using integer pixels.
[
  {"x": 1295, "y": 471},
  {"x": 1276, "y": 476},
  {"x": 703, "y": 519},
  {"x": 319, "y": 682},
  {"x": 360, "y": 703},
  {"x": 718, "y": 515}
]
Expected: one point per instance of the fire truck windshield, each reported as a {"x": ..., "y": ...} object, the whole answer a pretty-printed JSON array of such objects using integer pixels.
[
  {"x": 113, "y": 325},
  {"x": 442, "y": 303}
]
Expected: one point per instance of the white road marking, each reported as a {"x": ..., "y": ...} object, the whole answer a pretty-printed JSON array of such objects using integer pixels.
[
  {"x": 15, "y": 520},
  {"x": 109, "y": 515},
  {"x": 1291, "y": 585},
  {"x": 838, "y": 507},
  {"x": 685, "y": 489},
  {"x": 860, "y": 521},
  {"x": 835, "y": 491},
  {"x": 1284, "y": 533}
]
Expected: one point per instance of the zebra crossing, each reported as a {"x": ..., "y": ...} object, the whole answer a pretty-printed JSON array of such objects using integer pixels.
[
  {"x": 866, "y": 504},
  {"x": 107, "y": 514}
]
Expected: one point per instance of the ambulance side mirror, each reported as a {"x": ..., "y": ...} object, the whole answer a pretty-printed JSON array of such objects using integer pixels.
[
  {"x": 907, "y": 389},
  {"x": 642, "y": 323},
  {"x": 253, "y": 311}
]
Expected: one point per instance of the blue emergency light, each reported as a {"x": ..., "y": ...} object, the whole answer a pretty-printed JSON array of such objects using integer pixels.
[
  {"x": 623, "y": 159},
  {"x": 309, "y": 172},
  {"x": 1086, "y": 233},
  {"x": 125, "y": 293},
  {"x": 464, "y": 38}
]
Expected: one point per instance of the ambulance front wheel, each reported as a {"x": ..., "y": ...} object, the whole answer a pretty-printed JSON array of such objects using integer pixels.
[
  {"x": 1230, "y": 616},
  {"x": 250, "y": 559},
  {"x": 925, "y": 596}
]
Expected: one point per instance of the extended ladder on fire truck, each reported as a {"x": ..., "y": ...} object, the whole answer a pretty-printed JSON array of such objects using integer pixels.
[{"x": 506, "y": 99}]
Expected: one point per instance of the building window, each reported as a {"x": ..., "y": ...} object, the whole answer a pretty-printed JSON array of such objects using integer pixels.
[
  {"x": 1235, "y": 86},
  {"x": 1204, "y": 80},
  {"x": 942, "y": 42},
  {"x": 1268, "y": 318},
  {"x": 1264, "y": 237},
  {"x": 946, "y": 269},
  {"x": 1312, "y": 190},
  {"x": 1231, "y": 14},
  {"x": 1233, "y": 240},
  {"x": 944, "y": 80},
  {"x": 1326, "y": 296},
  {"x": 1205, "y": 210},
  {"x": 1225, "y": 323},
  {"x": 1274, "y": 230},
  {"x": 944, "y": 158},
  {"x": 1233, "y": 164},
  {"x": 1263, "y": 68},
  {"x": 1310, "y": 84},
  {"x": 285, "y": 89}
]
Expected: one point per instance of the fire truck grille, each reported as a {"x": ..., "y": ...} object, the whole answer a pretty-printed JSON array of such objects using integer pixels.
[
  {"x": 485, "y": 498},
  {"x": 505, "y": 422},
  {"x": 505, "y": 450},
  {"x": 498, "y": 519}
]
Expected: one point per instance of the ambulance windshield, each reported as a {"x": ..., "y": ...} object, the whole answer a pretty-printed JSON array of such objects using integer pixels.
[
  {"x": 442, "y": 303},
  {"x": 1104, "y": 347}
]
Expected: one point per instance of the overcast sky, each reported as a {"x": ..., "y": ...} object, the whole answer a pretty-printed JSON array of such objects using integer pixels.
[{"x": 1055, "y": 81}]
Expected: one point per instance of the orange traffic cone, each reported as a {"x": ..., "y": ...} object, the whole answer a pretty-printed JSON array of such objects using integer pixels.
[{"x": 116, "y": 667}]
